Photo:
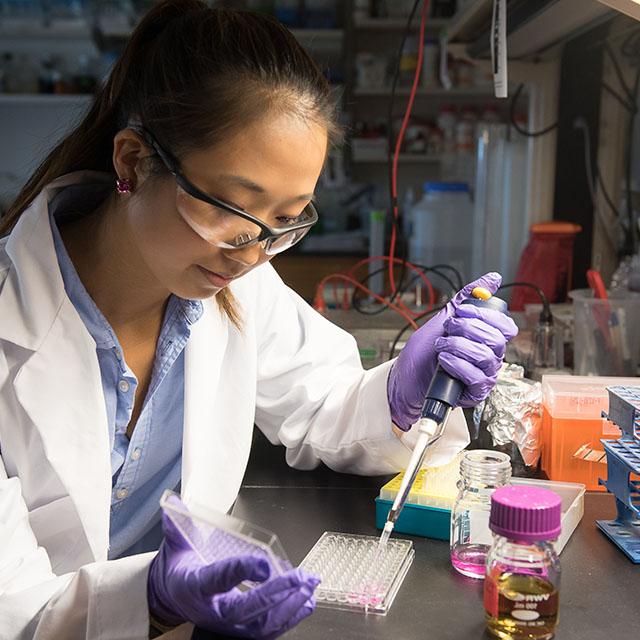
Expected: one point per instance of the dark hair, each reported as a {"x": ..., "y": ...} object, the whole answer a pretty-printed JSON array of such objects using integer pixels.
[{"x": 192, "y": 75}]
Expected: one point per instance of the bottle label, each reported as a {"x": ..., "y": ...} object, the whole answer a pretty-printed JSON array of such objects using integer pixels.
[{"x": 525, "y": 606}]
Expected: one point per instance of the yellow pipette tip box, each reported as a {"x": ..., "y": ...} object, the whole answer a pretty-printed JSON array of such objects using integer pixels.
[{"x": 427, "y": 511}]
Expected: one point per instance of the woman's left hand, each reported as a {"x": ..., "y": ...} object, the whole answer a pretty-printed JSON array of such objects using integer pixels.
[{"x": 468, "y": 341}]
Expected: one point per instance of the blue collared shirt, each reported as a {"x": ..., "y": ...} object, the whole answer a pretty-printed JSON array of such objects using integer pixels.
[{"x": 143, "y": 467}]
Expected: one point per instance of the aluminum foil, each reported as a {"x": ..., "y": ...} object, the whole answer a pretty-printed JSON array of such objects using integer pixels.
[
  {"x": 627, "y": 275},
  {"x": 513, "y": 414}
]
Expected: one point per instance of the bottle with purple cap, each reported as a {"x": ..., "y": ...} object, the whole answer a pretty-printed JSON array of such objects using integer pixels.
[{"x": 521, "y": 589}]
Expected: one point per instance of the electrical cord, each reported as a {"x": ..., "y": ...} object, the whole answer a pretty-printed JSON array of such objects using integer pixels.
[
  {"x": 517, "y": 127},
  {"x": 407, "y": 326},
  {"x": 632, "y": 242},
  {"x": 618, "y": 70},
  {"x": 457, "y": 274},
  {"x": 629, "y": 49},
  {"x": 356, "y": 300},
  {"x": 545, "y": 314},
  {"x": 399, "y": 307},
  {"x": 621, "y": 99},
  {"x": 319, "y": 303},
  {"x": 393, "y": 200},
  {"x": 405, "y": 264},
  {"x": 595, "y": 177},
  {"x": 399, "y": 141}
]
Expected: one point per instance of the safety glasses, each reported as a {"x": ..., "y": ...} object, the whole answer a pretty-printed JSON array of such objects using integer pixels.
[{"x": 224, "y": 225}]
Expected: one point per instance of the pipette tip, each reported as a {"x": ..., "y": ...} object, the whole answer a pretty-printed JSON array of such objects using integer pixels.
[{"x": 386, "y": 533}]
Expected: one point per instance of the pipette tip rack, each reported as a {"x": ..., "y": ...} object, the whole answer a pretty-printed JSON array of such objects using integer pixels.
[{"x": 623, "y": 459}]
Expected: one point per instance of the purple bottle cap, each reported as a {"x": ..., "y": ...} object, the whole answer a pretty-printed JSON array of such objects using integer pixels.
[{"x": 525, "y": 513}]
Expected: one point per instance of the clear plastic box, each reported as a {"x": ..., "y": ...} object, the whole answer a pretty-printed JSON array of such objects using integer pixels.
[
  {"x": 606, "y": 333},
  {"x": 424, "y": 514},
  {"x": 217, "y": 536},
  {"x": 572, "y": 417},
  {"x": 356, "y": 576},
  {"x": 572, "y": 495}
]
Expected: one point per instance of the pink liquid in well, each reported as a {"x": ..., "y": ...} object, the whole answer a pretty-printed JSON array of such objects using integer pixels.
[{"x": 469, "y": 559}]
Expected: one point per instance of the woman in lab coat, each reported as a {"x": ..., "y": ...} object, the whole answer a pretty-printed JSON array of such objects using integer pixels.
[{"x": 143, "y": 333}]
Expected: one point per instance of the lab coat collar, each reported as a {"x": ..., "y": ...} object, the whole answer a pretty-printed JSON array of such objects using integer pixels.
[{"x": 34, "y": 274}]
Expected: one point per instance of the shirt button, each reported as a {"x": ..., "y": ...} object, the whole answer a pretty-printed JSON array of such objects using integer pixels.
[
  {"x": 121, "y": 494},
  {"x": 123, "y": 385},
  {"x": 135, "y": 455}
]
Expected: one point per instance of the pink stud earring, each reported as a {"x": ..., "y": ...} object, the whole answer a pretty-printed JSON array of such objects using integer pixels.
[{"x": 124, "y": 186}]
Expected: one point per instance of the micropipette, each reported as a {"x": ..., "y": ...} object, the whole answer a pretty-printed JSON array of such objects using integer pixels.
[{"x": 443, "y": 394}]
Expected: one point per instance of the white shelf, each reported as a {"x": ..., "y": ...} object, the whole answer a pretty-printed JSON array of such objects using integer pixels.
[
  {"x": 434, "y": 92},
  {"x": 394, "y": 24},
  {"x": 415, "y": 158},
  {"x": 44, "y": 99},
  {"x": 467, "y": 18}
]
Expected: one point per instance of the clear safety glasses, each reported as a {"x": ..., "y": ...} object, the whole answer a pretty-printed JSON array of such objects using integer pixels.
[{"x": 225, "y": 226}]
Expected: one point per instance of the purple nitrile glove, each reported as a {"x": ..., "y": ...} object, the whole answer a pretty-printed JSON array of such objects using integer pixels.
[
  {"x": 468, "y": 341},
  {"x": 181, "y": 588}
]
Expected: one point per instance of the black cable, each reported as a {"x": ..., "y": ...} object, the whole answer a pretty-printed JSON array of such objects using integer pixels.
[
  {"x": 517, "y": 127},
  {"x": 631, "y": 44},
  {"x": 545, "y": 315},
  {"x": 460, "y": 284},
  {"x": 618, "y": 70},
  {"x": 632, "y": 242},
  {"x": 594, "y": 177},
  {"x": 402, "y": 331},
  {"x": 623, "y": 101},
  {"x": 357, "y": 296}
]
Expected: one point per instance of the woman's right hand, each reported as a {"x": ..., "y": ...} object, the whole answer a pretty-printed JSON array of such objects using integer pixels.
[{"x": 181, "y": 588}]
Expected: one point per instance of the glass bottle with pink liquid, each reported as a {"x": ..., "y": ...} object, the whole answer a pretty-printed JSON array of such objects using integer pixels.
[{"x": 481, "y": 473}]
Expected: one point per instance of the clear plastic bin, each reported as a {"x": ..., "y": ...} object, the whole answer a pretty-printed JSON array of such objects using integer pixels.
[
  {"x": 606, "y": 334},
  {"x": 572, "y": 418}
]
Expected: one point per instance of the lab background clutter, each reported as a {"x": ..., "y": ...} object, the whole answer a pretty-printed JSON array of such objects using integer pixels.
[{"x": 480, "y": 136}]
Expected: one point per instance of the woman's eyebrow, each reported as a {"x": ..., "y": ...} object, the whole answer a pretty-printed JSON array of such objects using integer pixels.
[{"x": 256, "y": 188}]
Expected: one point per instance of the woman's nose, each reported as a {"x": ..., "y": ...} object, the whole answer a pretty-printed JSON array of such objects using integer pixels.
[{"x": 249, "y": 256}]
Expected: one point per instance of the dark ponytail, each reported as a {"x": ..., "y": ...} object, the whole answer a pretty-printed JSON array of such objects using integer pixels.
[{"x": 192, "y": 75}]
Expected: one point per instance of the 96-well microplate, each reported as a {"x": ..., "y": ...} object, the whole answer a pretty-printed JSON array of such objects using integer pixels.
[
  {"x": 354, "y": 576},
  {"x": 217, "y": 536}
]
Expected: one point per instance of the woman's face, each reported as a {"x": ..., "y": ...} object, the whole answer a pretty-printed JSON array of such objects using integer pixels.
[{"x": 269, "y": 170}]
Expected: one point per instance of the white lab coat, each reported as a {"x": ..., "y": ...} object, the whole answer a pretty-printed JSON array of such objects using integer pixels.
[{"x": 293, "y": 373}]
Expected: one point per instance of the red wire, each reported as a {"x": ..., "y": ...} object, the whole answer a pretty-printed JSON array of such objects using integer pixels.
[
  {"x": 406, "y": 313},
  {"x": 355, "y": 283},
  {"x": 427, "y": 282},
  {"x": 400, "y": 139}
]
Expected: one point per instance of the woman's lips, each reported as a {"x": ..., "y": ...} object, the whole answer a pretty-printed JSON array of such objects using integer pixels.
[{"x": 216, "y": 279}]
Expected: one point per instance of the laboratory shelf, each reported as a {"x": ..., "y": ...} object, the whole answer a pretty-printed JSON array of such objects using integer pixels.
[
  {"x": 393, "y": 24},
  {"x": 44, "y": 99},
  {"x": 430, "y": 92},
  {"x": 40, "y": 31},
  {"x": 466, "y": 19},
  {"x": 415, "y": 158}
]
